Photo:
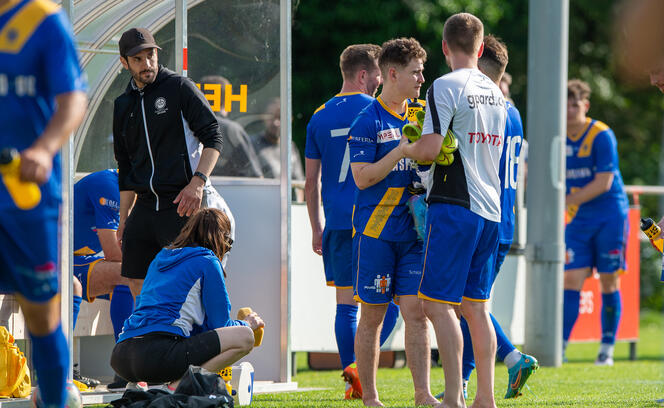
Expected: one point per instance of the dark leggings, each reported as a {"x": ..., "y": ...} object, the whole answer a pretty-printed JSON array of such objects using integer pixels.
[{"x": 162, "y": 357}]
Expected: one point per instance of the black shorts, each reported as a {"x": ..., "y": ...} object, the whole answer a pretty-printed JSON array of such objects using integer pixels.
[
  {"x": 146, "y": 232},
  {"x": 162, "y": 357}
]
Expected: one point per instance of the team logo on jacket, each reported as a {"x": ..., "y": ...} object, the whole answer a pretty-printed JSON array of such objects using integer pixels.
[{"x": 160, "y": 105}]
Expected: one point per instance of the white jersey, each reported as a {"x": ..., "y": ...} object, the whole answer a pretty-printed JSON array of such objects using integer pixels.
[{"x": 470, "y": 104}]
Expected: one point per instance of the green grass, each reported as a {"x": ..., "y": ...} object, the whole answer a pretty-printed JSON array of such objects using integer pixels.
[{"x": 577, "y": 383}]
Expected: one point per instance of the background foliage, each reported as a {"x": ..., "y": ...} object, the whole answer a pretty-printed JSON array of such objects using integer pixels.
[{"x": 321, "y": 30}]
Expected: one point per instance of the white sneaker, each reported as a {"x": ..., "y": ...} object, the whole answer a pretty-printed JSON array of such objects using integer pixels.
[
  {"x": 139, "y": 386},
  {"x": 604, "y": 359}
]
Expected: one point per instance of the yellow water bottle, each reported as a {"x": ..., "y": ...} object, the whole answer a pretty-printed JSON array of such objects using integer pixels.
[
  {"x": 26, "y": 194},
  {"x": 258, "y": 333},
  {"x": 652, "y": 230}
]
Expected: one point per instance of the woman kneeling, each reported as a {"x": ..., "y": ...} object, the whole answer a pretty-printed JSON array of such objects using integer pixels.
[{"x": 182, "y": 316}]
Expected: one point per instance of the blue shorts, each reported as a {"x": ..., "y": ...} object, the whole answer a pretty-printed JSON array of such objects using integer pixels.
[
  {"x": 29, "y": 252},
  {"x": 600, "y": 244},
  {"x": 497, "y": 258},
  {"x": 385, "y": 270},
  {"x": 338, "y": 257},
  {"x": 458, "y": 247},
  {"x": 83, "y": 266}
]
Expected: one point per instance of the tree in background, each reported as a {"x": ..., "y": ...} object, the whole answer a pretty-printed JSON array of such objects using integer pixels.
[{"x": 321, "y": 30}]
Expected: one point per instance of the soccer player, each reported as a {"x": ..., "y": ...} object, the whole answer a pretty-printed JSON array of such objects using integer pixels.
[
  {"x": 42, "y": 94},
  {"x": 327, "y": 153},
  {"x": 520, "y": 366},
  {"x": 596, "y": 202},
  {"x": 97, "y": 253},
  {"x": 464, "y": 206},
  {"x": 387, "y": 256}
]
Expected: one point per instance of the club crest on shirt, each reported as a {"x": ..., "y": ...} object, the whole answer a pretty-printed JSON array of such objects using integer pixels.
[
  {"x": 160, "y": 105},
  {"x": 388, "y": 135}
]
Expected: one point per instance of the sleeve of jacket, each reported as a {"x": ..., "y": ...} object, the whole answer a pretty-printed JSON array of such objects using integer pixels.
[
  {"x": 198, "y": 114},
  {"x": 215, "y": 298},
  {"x": 121, "y": 155}
]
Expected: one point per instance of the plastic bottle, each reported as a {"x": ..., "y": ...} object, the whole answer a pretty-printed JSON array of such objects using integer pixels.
[
  {"x": 26, "y": 194},
  {"x": 652, "y": 230},
  {"x": 258, "y": 333}
]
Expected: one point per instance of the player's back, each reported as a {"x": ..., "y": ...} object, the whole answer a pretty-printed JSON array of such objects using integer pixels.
[
  {"x": 509, "y": 162},
  {"x": 469, "y": 103},
  {"x": 37, "y": 62},
  {"x": 96, "y": 206},
  {"x": 327, "y": 140}
]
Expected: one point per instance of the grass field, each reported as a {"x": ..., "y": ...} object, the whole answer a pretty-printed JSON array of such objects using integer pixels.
[{"x": 577, "y": 384}]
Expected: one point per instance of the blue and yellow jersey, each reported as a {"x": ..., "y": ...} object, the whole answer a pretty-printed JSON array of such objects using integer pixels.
[
  {"x": 595, "y": 151},
  {"x": 508, "y": 173},
  {"x": 327, "y": 141},
  {"x": 380, "y": 210},
  {"x": 96, "y": 206},
  {"x": 38, "y": 61}
]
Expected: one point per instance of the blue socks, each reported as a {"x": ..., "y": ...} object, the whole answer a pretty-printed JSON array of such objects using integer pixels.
[
  {"x": 389, "y": 321},
  {"x": 345, "y": 326},
  {"x": 468, "y": 358},
  {"x": 571, "y": 299},
  {"x": 50, "y": 360},
  {"x": 468, "y": 362},
  {"x": 122, "y": 305},
  {"x": 611, "y": 310},
  {"x": 504, "y": 345},
  {"x": 76, "y": 307}
]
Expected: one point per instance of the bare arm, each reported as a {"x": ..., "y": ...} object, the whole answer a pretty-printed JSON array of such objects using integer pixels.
[
  {"x": 312, "y": 193},
  {"x": 600, "y": 184},
  {"x": 368, "y": 174},
  {"x": 37, "y": 160},
  {"x": 110, "y": 245},
  {"x": 425, "y": 149},
  {"x": 127, "y": 200},
  {"x": 189, "y": 199}
]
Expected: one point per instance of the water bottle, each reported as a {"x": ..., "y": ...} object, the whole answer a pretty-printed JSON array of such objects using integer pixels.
[{"x": 26, "y": 194}]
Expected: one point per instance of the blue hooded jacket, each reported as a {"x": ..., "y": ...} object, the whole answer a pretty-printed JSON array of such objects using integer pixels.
[{"x": 184, "y": 293}]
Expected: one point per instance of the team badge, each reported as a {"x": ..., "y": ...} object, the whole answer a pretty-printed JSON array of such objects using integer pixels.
[{"x": 160, "y": 105}]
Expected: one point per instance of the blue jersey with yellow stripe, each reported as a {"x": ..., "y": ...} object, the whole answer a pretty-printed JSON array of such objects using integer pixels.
[
  {"x": 595, "y": 151},
  {"x": 509, "y": 162},
  {"x": 38, "y": 61},
  {"x": 327, "y": 141},
  {"x": 380, "y": 210},
  {"x": 96, "y": 206}
]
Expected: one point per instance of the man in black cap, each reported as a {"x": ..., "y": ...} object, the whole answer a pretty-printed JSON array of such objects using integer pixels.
[{"x": 167, "y": 141}]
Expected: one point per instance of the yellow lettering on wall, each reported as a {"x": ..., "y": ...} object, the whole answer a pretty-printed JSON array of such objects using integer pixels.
[
  {"x": 230, "y": 98},
  {"x": 214, "y": 97}
]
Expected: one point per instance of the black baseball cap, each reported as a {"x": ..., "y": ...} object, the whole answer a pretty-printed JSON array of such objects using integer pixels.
[{"x": 135, "y": 40}]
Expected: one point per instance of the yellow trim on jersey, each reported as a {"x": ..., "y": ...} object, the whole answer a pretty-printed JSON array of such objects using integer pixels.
[
  {"x": 587, "y": 145},
  {"x": 425, "y": 297},
  {"x": 84, "y": 251},
  {"x": 23, "y": 24},
  {"x": 391, "y": 112},
  {"x": 577, "y": 136},
  {"x": 330, "y": 283},
  {"x": 320, "y": 108},
  {"x": 382, "y": 212},
  {"x": 475, "y": 300},
  {"x": 352, "y": 221},
  {"x": 347, "y": 93},
  {"x": 343, "y": 287}
]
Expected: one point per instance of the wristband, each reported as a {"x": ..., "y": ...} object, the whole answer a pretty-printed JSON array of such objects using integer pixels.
[{"x": 201, "y": 176}]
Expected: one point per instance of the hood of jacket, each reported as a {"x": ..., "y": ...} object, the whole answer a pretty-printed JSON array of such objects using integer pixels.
[
  {"x": 171, "y": 258},
  {"x": 162, "y": 74}
]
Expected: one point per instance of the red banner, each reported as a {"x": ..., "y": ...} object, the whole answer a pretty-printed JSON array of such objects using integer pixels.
[{"x": 588, "y": 326}]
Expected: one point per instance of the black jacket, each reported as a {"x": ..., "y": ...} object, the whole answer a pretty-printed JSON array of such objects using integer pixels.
[{"x": 176, "y": 116}]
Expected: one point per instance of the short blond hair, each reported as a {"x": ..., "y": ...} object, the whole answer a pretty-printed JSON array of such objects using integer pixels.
[
  {"x": 578, "y": 89},
  {"x": 463, "y": 32},
  {"x": 358, "y": 57}
]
